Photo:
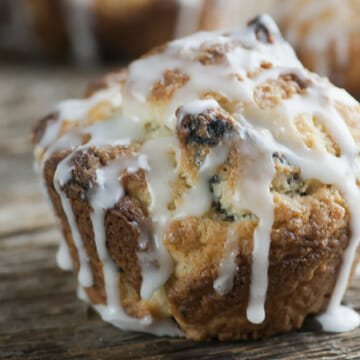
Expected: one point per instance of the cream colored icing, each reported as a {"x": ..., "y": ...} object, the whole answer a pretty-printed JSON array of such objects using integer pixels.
[
  {"x": 77, "y": 110},
  {"x": 227, "y": 267},
  {"x": 63, "y": 257}
]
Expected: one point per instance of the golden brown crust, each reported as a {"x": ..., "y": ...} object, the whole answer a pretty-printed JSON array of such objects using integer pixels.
[
  {"x": 214, "y": 54},
  {"x": 308, "y": 238},
  {"x": 272, "y": 92},
  {"x": 165, "y": 88},
  {"x": 40, "y": 127},
  {"x": 126, "y": 218},
  {"x": 307, "y": 244}
]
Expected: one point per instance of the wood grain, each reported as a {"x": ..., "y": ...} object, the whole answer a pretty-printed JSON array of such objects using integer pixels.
[{"x": 40, "y": 315}]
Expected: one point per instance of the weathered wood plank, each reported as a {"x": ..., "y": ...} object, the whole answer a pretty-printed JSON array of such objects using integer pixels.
[
  {"x": 40, "y": 317},
  {"x": 30, "y": 214},
  {"x": 22, "y": 205}
]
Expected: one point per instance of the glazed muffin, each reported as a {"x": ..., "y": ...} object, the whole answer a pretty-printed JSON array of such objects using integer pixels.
[
  {"x": 326, "y": 37},
  {"x": 210, "y": 189},
  {"x": 90, "y": 30}
]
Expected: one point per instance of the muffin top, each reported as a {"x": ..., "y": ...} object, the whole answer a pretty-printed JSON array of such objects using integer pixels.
[{"x": 224, "y": 125}]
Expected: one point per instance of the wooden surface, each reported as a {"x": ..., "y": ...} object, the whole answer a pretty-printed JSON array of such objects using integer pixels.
[{"x": 40, "y": 315}]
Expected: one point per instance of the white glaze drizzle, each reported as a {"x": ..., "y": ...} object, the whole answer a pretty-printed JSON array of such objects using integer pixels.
[
  {"x": 61, "y": 177},
  {"x": 199, "y": 192},
  {"x": 339, "y": 319},
  {"x": 227, "y": 267},
  {"x": 101, "y": 135},
  {"x": 77, "y": 110},
  {"x": 108, "y": 193},
  {"x": 63, "y": 257},
  {"x": 260, "y": 133},
  {"x": 158, "y": 179}
]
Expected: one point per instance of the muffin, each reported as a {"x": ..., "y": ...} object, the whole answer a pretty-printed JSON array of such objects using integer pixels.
[
  {"x": 326, "y": 37},
  {"x": 91, "y": 30},
  {"x": 210, "y": 189}
]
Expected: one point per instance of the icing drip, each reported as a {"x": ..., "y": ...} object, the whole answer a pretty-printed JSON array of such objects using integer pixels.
[
  {"x": 227, "y": 267},
  {"x": 102, "y": 134},
  {"x": 61, "y": 177},
  {"x": 107, "y": 193},
  {"x": 63, "y": 257},
  {"x": 18, "y": 32},
  {"x": 189, "y": 17},
  {"x": 253, "y": 193},
  {"x": 339, "y": 319},
  {"x": 158, "y": 179}
]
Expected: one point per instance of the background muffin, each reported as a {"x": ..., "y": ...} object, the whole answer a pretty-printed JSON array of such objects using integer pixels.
[
  {"x": 91, "y": 30},
  {"x": 326, "y": 37}
]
